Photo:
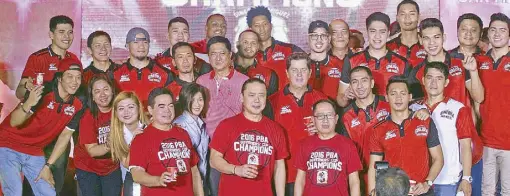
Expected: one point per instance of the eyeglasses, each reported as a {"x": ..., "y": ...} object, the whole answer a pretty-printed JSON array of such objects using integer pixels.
[
  {"x": 314, "y": 36},
  {"x": 325, "y": 116}
]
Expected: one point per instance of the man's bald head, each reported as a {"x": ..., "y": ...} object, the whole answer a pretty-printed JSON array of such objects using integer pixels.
[{"x": 339, "y": 30}]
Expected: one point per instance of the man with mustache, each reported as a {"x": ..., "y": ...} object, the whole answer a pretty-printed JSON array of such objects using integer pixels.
[
  {"x": 183, "y": 60},
  {"x": 140, "y": 73},
  {"x": 245, "y": 62},
  {"x": 178, "y": 31}
]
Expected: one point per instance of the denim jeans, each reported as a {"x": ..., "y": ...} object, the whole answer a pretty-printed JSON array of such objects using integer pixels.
[
  {"x": 476, "y": 173},
  {"x": 445, "y": 189},
  {"x": 92, "y": 184},
  {"x": 131, "y": 188},
  {"x": 12, "y": 163}
]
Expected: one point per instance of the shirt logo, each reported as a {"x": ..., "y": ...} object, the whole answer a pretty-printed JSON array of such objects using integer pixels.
[
  {"x": 421, "y": 54},
  {"x": 154, "y": 77},
  {"x": 334, "y": 73},
  {"x": 392, "y": 68},
  {"x": 50, "y": 105},
  {"x": 447, "y": 114},
  {"x": 69, "y": 110},
  {"x": 421, "y": 131},
  {"x": 173, "y": 152},
  {"x": 390, "y": 134},
  {"x": 278, "y": 56},
  {"x": 124, "y": 78},
  {"x": 355, "y": 122},
  {"x": 285, "y": 109},
  {"x": 260, "y": 76},
  {"x": 167, "y": 66},
  {"x": 254, "y": 148},
  {"x": 507, "y": 67},
  {"x": 455, "y": 71},
  {"x": 52, "y": 67},
  {"x": 382, "y": 114},
  {"x": 485, "y": 65},
  {"x": 324, "y": 165}
]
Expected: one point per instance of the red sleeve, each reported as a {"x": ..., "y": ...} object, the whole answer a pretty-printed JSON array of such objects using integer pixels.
[
  {"x": 300, "y": 157},
  {"x": 353, "y": 162},
  {"x": 375, "y": 145},
  {"x": 31, "y": 67},
  {"x": 88, "y": 130},
  {"x": 139, "y": 152},
  {"x": 464, "y": 124},
  {"x": 282, "y": 151},
  {"x": 220, "y": 141}
]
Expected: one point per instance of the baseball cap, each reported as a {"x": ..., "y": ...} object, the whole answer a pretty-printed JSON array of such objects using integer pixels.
[
  {"x": 70, "y": 64},
  {"x": 131, "y": 35},
  {"x": 317, "y": 24}
]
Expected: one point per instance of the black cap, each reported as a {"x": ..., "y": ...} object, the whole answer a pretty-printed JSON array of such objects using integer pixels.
[{"x": 317, "y": 24}]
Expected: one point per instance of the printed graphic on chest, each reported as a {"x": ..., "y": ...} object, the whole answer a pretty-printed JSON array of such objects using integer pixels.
[
  {"x": 455, "y": 71},
  {"x": 421, "y": 131},
  {"x": 485, "y": 65},
  {"x": 447, "y": 114},
  {"x": 278, "y": 56},
  {"x": 323, "y": 166},
  {"x": 390, "y": 134},
  {"x": 421, "y": 54},
  {"x": 392, "y": 68},
  {"x": 69, "y": 110},
  {"x": 285, "y": 110},
  {"x": 124, "y": 78},
  {"x": 103, "y": 133},
  {"x": 254, "y": 148},
  {"x": 355, "y": 122},
  {"x": 173, "y": 153},
  {"x": 52, "y": 67},
  {"x": 382, "y": 114},
  {"x": 334, "y": 73},
  {"x": 154, "y": 77},
  {"x": 260, "y": 76}
]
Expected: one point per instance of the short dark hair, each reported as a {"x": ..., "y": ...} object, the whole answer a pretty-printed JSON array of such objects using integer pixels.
[
  {"x": 314, "y": 106},
  {"x": 378, "y": 16},
  {"x": 250, "y": 31},
  {"x": 500, "y": 17},
  {"x": 443, "y": 68},
  {"x": 257, "y": 11},
  {"x": 299, "y": 56},
  {"x": 470, "y": 16},
  {"x": 249, "y": 81},
  {"x": 60, "y": 19},
  {"x": 485, "y": 37},
  {"x": 219, "y": 39},
  {"x": 213, "y": 15},
  {"x": 431, "y": 22},
  {"x": 176, "y": 20},
  {"x": 392, "y": 182},
  {"x": 186, "y": 97},
  {"x": 90, "y": 94},
  {"x": 361, "y": 68},
  {"x": 409, "y": 2},
  {"x": 398, "y": 79},
  {"x": 182, "y": 44},
  {"x": 97, "y": 34},
  {"x": 157, "y": 92}
]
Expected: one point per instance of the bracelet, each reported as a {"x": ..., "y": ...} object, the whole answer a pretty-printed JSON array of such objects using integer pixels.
[
  {"x": 234, "y": 170},
  {"x": 22, "y": 108}
]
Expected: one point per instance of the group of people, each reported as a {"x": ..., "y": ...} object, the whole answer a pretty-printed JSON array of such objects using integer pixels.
[{"x": 269, "y": 119}]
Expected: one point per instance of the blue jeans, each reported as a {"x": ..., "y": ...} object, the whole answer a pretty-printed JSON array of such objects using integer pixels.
[
  {"x": 445, "y": 189},
  {"x": 12, "y": 163},
  {"x": 92, "y": 184},
  {"x": 476, "y": 173}
]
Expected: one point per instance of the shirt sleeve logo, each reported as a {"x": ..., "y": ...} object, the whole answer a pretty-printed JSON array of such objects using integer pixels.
[
  {"x": 154, "y": 77},
  {"x": 278, "y": 56},
  {"x": 382, "y": 114},
  {"x": 507, "y": 67},
  {"x": 485, "y": 65},
  {"x": 124, "y": 78},
  {"x": 390, "y": 134},
  {"x": 167, "y": 66},
  {"x": 421, "y": 131},
  {"x": 355, "y": 122},
  {"x": 254, "y": 148},
  {"x": 52, "y": 67},
  {"x": 421, "y": 54},
  {"x": 455, "y": 71},
  {"x": 334, "y": 73},
  {"x": 69, "y": 110},
  {"x": 50, "y": 105},
  {"x": 392, "y": 68},
  {"x": 324, "y": 166},
  {"x": 285, "y": 109}
]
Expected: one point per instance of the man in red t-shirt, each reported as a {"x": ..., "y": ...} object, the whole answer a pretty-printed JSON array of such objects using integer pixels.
[
  {"x": 249, "y": 149},
  {"x": 178, "y": 31},
  {"x": 47, "y": 113},
  {"x": 382, "y": 62},
  {"x": 292, "y": 107},
  {"x": 406, "y": 142},
  {"x": 99, "y": 46},
  {"x": 327, "y": 162},
  {"x": 406, "y": 44},
  {"x": 273, "y": 53},
  {"x": 245, "y": 62},
  {"x": 46, "y": 60},
  {"x": 162, "y": 158}
]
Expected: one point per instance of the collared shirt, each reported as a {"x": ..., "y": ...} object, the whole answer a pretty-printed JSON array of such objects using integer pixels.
[
  {"x": 44, "y": 61},
  {"x": 91, "y": 71},
  {"x": 382, "y": 69},
  {"x": 455, "y": 53},
  {"x": 176, "y": 86},
  {"x": 198, "y": 136},
  {"x": 414, "y": 54},
  {"x": 325, "y": 76},
  {"x": 224, "y": 101},
  {"x": 165, "y": 60},
  {"x": 265, "y": 74},
  {"x": 275, "y": 57}
]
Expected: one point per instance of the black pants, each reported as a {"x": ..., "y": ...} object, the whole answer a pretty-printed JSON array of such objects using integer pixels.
[
  {"x": 92, "y": 184},
  {"x": 128, "y": 185},
  {"x": 289, "y": 189}
]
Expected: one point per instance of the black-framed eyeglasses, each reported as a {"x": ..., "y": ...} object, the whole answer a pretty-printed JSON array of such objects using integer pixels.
[{"x": 316, "y": 36}]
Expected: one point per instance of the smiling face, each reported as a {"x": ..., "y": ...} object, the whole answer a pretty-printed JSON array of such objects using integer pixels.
[
  {"x": 178, "y": 32},
  {"x": 254, "y": 98},
  {"x": 102, "y": 94},
  {"x": 70, "y": 81},
  {"x": 216, "y": 26},
  {"x": 468, "y": 32},
  {"x": 319, "y": 40},
  {"x": 362, "y": 84},
  {"x": 249, "y": 45},
  {"x": 62, "y": 36},
  {"x": 262, "y": 26},
  {"x": 498, "y": 34},
  {"x": 377, "y": 35},
  {"x": 339, "y": 33},
  {"x": 219, "y": 56},
  {"x": 163, "y": 110},
  {"x": 298, "y": 73},
  {"x": 197, "y": 104},
  {"x": 432, "y": 40},
  {"x": 408, "y": 17},
  {"x": 100, "y": 49},
  {"x": 139, "y": 49},
  {"x": 398, "y": 96}
]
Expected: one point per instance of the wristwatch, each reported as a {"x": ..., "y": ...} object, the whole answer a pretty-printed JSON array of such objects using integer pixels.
[
  {"x": 430, "y": 183},
  {"x": 49, "y": 165},
  {"x": 468, "y": 179}
]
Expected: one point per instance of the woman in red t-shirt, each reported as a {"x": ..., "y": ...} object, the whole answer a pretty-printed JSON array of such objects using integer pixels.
[
  {"x": 128, "y": 120},
  {"x": 96, "y": 173}
]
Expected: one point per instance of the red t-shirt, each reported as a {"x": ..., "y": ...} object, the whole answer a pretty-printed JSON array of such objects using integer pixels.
[
  {"x": 458, "y": 77},
  {"x": 382, "y": 69},
  {"x": 44, "y": 61},
  {"x": 495, "y": 76},
  {"x": 165, "y": 60},
  {"x": 275, "y": 57},
  {"x": 200, "y": 46},
  {"x": 92, "y": 131},
  {"x": 414, "y": 54},
  {"x": 176, "y": 86},
  {"x": 155, "y": 150},
  {"x": 327, "y": 164},
  {"x": 326, "y": 74},
  {"x": 91, "y": 71},
  {"x": 141, "y": 81},
  {"x": 406, "y": 146},
  {"x": 290, "y": 114},
  {"x": 241, "y": 142},
  {"x": 50, "y": 117},
  {"x": 265, "y": 74}
]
